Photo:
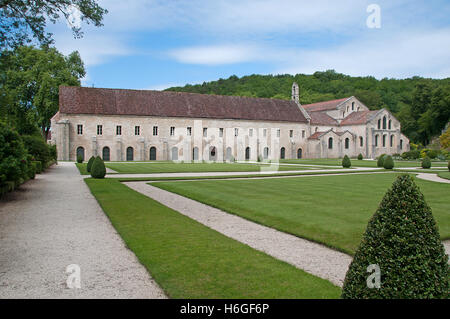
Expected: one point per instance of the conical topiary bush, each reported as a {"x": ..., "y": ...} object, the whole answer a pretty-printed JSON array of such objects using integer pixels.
[
  {"x": 360, "y": 157},
  {"x": 346, "y": 163},
  {"x": 402, "y": 239},
  {"x": 388, "y": 162},
  {"x": 89, "y": 164},
  {"x": 98, "y": 169}
]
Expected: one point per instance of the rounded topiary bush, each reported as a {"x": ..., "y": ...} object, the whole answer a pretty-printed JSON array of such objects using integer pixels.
[
  {"x": 388, "y": 162},
  {"x": 380, "y": 162},
  {"x": 89, "y": 164},
  {"x": 426, "y": 162},
  {"x": 98, "y": 169},
  {"x": 346, "y": 163},
  {"x": 402, "y": 239},
  {"x": 360, "y": 157}
]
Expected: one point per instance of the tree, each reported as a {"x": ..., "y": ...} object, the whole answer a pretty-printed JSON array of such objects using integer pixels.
[
  {"x": 402, "y": 242},
  {"x": 22, "y": 20},
  {"x": 444, "y": 139},
  {"x": 346, "y": 163},
  {"x": 31, "y": 82}
]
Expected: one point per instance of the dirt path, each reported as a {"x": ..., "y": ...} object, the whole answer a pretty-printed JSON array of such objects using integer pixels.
[{"x": 54, "y": 221}]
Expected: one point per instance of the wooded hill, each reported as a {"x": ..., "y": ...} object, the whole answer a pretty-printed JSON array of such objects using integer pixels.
[{"x": 422, "y": 105}]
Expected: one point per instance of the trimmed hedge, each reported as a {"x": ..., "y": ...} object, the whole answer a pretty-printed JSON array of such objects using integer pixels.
[
  {"x": 346, "y": 163},
  {"x": 426, "y": 162},
  {"x": 388, "y": 162},
  {"x": 402, "y": 239},
  {"x": 98, "y": 169},
  {"x": 89, "y": 164},
  {"x": 380, "y": 162},
  {"x": 360, "y": 157},
  {"x": 38, "y": 166}
]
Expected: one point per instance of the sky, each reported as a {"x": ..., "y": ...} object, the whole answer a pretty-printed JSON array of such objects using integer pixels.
[{"x": 156, "y": 44}]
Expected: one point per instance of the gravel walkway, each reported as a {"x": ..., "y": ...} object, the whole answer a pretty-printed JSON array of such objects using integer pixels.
[
  {"x": 309, "y": 256},
  {"x": 432, "y": 178},
  {"x": 54, "y": 221}
]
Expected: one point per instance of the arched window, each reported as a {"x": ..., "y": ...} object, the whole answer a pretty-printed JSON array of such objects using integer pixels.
[
  {"x": 361, "y": 141},
  {"x": 266, "y": 153},
  {"x": 376, "y": 140},
  {"x": 212, "y": 153},
  {"x": 130, "y": 153},
  {"x": 316, "y": 129},
  {"x": 299, "y": 153},
  {"x": 153, "y": 153},
  {"x": 353, "y": 106},
  {"x": 389, "y": 124},
  {"x": 384, "y": 140},
  {"x": 174, "y": 153},
  {"x": 195, "y": 153},
  {"x": 80, "y": 152},
  {"x": 229, "y": 153},
  {"x": 282, "y": 153},
  {"x": 401, "y": 144},
  {"x": 384, "y": 122},
  {"x": 391, "y": 142},
  {"x": 330, "y": 143},
  {"x": 347, "y": 143},
  {"x": 379, "y": 123},
  {"x": 247, "y": 153},
  {"x": 106, "y": 153}
]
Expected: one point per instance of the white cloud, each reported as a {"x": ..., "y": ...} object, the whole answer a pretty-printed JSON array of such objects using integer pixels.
[{"x": 214, "y": 55}]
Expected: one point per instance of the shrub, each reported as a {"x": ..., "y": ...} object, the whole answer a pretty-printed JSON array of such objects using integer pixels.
[
  {"x": 388, "y": 162},
  {"x": 413, "y": 154},
  {"x": 32, "y": 170},
  {"x": 13, "y": 156},
  {"x": 260, "y": 159},
  {"x": 448, "y": 166},
  {"x": 89, "y": 164},
  {"x": 402, "y": 239},
  {"x": 426, "y": 162},
  {"x": 360, "y": 157},
  {"x": 98, "y": 169},
  {"x": 346, "y": 163},
  {"x": 380, "y": 162},
  {"x": 38, "y": 166},
  {"x": 79, "y": 159},
  {"x": 37, "y": 147}
]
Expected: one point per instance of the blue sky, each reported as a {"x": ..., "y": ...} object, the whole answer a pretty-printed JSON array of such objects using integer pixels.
[{"x": 155, "y": 44}]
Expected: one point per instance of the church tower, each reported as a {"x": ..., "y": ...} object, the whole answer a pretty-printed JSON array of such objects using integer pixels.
[{"x": 295, "y": 93}]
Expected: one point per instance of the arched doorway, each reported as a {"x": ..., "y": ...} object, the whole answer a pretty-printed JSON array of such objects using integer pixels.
[
  {"x": 130, "y": 154},
  {"x": 212, "y": 153},
  {"x": 153, "y": 153},
  {"x": 174, "y": 153},
  {"x": 266, "y": 153},
  {"x": 330, "y": 143},
  {"x": 347, "y": 143},
  {"x": 195, "y": 153},
  {"x": 80, "y": 152},
  {"x": 247, "y": 153},
  {"x": 299, "y": 153},
  {"x": 282, "y": 153},
  {"x": 106, "y": 153}
]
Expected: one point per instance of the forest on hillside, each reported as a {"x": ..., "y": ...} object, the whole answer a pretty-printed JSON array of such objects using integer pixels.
[{"x": 422, "y": 105}]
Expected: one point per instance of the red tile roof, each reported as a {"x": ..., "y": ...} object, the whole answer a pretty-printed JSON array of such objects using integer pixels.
[
  {"x": 324, "y": 106},
  {"x": 322, "y": 118},
  {"x": 80, "y": 100},
  {"x": 361, "y": 117},
  {"x": 316, "y": 135}
]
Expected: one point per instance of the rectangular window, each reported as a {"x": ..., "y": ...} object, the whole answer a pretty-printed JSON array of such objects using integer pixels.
[
  {"x": 291, "y": 133},
  {"x": 265, "y": 132},
  {"x": 189, "y": 131},
  {"x": 236, "y": 132},
  {"x": 220, "y": 132},
  {"x": 99, "y": 129},
  {"x": 79, "y": 129},
  {"x": 250, "y": 132},
  {"x": 137, "y": 130},
  {"x": 155, "y": 130},
  {"x": 205, "y": 132},
  {"x": 118, "y": 130},
  {"x": 278, "y": 133},
  {"x": 172, "y": 130},
  {"x": 303, "y": 134}
]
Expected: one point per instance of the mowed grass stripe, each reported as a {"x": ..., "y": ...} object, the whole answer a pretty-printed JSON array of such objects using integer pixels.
[
  {"x": 333, "y": 210},
  {"x": 189, "y": 260}
]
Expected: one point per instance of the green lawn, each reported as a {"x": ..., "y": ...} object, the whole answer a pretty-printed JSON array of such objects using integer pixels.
[
  {"x": 189, "y": 260},
  {"x": 333, "y": 210},
  {"x": 357, "y": 163},
  {"x": 444, "y": 175},
  {"x": 170, "y": 167}
]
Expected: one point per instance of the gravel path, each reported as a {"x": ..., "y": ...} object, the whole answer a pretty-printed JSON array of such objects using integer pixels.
[
  {"x": 432, "y": 178},
  {"x": 54, "y": 221},
  {"x": 309, "y": 256}
]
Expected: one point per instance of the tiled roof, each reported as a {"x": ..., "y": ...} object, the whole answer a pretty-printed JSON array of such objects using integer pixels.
[
  {"x": 322, "y": 118},
  {"x": 80, "y": 100},
  {"x": 324, "y": 106},
  {"x": 361, "y": 117},
  {"x": 316, "y": 135}
]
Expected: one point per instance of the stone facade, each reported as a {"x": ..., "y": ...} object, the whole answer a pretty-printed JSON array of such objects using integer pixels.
[{"x": 145, "y": 138}]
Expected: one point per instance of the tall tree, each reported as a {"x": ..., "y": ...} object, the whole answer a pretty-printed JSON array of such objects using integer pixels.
[
  {"x": 31, "y": 81},
  {"x": 22, "y": 20}
]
